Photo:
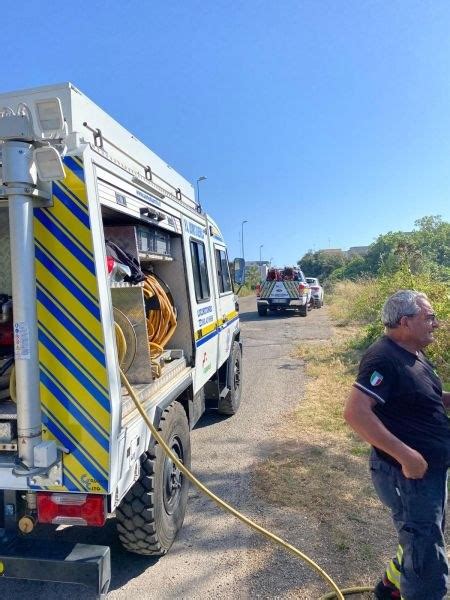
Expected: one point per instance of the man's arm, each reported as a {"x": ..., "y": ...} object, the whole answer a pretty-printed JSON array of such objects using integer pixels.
[
  {"x": 446, "y": 399},
  {"x": 360, "y": 416}
]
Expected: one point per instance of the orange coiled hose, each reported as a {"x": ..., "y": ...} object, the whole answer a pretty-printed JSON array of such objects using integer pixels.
[{"x": 161, "y": 324}]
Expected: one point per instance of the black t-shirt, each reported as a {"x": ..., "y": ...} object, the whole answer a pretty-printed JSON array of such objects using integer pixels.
[{"x": 409, "y": 399}]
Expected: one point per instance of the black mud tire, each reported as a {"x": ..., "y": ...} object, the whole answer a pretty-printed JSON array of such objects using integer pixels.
[
  {"x": 303, "y": 310},
  {"x": 262, "y": 311},
  {"x": 152, "y": 512},
  {"x": 230, "y": 405}
]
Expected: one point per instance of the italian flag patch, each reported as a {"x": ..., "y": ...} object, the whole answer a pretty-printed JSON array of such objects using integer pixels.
[{"x": 376, "y": 378}]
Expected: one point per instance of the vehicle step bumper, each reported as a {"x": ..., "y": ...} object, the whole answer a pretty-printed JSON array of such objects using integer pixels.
[
  {"x": 282, "y": 302},
  {"x": 64, "y": 562}
]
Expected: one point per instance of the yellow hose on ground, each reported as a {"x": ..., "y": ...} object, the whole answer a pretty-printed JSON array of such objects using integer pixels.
[
  {"x": 220, "y": 502},
  {"x": 348, "y": 592},
  {"x": 163, "y": 333}
]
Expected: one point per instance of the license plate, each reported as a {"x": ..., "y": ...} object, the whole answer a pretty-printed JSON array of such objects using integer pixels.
[{"x": 278, "y": 301}]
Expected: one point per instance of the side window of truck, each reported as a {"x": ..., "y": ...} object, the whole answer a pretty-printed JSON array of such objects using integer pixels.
[
  {"x": 223, "y": 272},
  {"x": 200, "y": 269}
]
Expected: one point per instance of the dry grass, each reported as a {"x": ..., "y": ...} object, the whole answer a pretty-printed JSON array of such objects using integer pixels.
[
  {"x": 320, "y": 454},
  {"x": 355, "y": 302},
  {"x": 320, "y": 468}
]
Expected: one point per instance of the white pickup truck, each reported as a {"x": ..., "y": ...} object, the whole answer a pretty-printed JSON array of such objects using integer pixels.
[{"x": 284, "y": 289}]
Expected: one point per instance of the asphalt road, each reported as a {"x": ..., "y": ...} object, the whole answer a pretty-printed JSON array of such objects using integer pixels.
[{"x": 215, "y": 556}]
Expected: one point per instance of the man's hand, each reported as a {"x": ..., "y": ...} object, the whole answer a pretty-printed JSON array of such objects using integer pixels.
[
  {"x": 414, "y": 466},
  {"x": 446, "y": 399}
]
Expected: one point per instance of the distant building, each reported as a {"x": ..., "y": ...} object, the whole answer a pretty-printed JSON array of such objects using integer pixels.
[
  {"x": 336, "y": 251},
  {"x": 350, "y": 253},
  {"x": 357, "y": 251}
]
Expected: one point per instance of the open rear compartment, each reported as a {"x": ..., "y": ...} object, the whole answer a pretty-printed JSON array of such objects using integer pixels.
[
  {"x": 153, "y": 332},
  {"x": 8, "y": 410}
]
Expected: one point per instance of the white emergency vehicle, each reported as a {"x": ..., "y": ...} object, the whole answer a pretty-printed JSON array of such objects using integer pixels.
[
  {"x": 107, "y": 262},
  {"x": 284, "y": 289}
]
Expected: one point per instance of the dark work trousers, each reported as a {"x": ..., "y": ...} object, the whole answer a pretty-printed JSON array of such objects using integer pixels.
[{"x": 418, "y": 511}]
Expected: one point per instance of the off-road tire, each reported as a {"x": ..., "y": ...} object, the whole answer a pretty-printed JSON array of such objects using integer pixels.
[
  {"x": 230, "y": 405},
  {"x": 303, "y": 310},
  {"x": 262, "y": 311},
  {"x": 152, "y": 512}
]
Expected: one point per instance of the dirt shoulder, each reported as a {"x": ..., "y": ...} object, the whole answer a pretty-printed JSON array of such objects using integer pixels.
[{"x": 315, "y": 483}]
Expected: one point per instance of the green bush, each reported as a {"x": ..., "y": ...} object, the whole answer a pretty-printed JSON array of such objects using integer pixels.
[{"x": 360, "y": 303}]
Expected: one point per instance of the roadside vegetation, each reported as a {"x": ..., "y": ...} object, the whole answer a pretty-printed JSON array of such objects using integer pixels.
[
  {"x": 251, "y": 281},
  {"x": 426, "y": 250},
  {"x": 320, "y": 469},
  {"x": 359, "y": 285}
]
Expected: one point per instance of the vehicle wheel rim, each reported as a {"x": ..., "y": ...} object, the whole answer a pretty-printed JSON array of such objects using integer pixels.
[{"x": 173, "y": 478}]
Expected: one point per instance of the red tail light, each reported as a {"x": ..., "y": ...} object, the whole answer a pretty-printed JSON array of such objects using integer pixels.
[
  {"x": 258, "y": 289},
  {"x": 71, "y": 509},
  {"x": 302, "y": 287}
]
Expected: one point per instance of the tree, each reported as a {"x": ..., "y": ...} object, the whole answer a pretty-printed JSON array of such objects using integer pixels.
[
  {"x": 252, "y": 277},
  {"x": 321, "y": 264},
  {"x": 426, "y": 250},
  {"x": 433, "y": 239},
  {"x": 353, "y": 269}
]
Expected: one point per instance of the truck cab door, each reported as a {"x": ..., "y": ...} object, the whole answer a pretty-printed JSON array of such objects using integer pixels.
[
  {"x": 200, "y": 269},
  {"x": 227, "y": 316}
]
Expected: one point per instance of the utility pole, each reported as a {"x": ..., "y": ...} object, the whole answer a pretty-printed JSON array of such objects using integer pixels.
[{"x": 242, "y": 238}]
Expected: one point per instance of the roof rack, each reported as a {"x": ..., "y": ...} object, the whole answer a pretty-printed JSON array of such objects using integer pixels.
[{"x": 147, "y": 178}]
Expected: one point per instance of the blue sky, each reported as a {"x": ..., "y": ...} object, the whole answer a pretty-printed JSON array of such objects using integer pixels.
[{"x": 321, "y": 123}]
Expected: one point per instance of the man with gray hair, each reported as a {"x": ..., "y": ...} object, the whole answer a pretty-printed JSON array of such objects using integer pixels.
[{"x": 397, "y": 405}]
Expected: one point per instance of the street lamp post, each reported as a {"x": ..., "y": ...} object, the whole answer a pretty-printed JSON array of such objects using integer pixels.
[
  {"x": 260, "y": 263},
  {"x": 242, "y": 237},
  {"x": 202, "y": 178}
]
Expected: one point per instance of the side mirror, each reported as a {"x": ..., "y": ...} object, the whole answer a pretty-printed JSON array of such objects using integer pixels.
[{"x": 239, "y": 271}]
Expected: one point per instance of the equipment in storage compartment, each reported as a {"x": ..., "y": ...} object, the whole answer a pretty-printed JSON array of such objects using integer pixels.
[
  {"x": 153, "y": 240},
  {"x": 168, "y": 269},
  {"x": 6, "y": 325}
]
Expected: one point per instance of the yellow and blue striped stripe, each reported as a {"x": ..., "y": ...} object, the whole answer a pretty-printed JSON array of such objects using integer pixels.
[
  {"x": 73, "y": 378},
  {"x": 208, "y": 332}
]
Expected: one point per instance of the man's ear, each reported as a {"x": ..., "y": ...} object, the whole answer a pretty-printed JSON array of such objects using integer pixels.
[{"x": 403, "y": 321}]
